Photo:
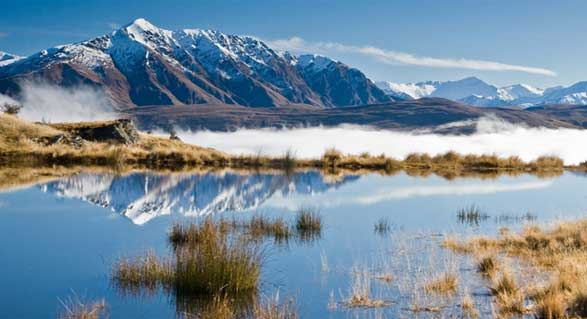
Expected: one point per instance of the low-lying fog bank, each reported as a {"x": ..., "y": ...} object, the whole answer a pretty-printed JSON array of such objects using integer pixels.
[{"x": 492, "y": 137}]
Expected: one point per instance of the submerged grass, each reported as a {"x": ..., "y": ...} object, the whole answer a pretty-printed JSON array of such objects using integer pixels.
[
  {"x": 471, "y": 215},
  {"x": 360, "y": 295},
  {"x": 74, "y": 308},
  {"x": 382, "y": 226}
]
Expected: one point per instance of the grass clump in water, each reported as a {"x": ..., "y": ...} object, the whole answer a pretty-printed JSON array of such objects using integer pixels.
[
  {"x": 142, "y": 273},
  {"x": 74, "y": 308},
  {"x": 308, "y": 224},
  {"x": 361, "y": 291},
  {"x": 471, "y": 215},
  {"x": 382, "y": 226},
  {"x": 206, "y": 261},
  {"x": 273, "y": 309},
  {"x": 445, "y": 284},
  {"x": 261, "y": 226}
]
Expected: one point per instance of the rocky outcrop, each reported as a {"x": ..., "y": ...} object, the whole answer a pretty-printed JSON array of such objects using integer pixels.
[{"x": 120, "y": 131}]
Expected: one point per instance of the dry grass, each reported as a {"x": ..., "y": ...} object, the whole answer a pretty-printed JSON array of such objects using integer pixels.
[
  {"x": 308, "y": 224},
  {"x": 487, "y": 265},
  {"x": 74, "y": 308},
  {"x": 551, "y": 306},
  {"x": 559, "y": 252},
  {"x": 468, "y": 306},
  {"x": 143, "y": 273},
  {"x": 22, "y": 142},
  {"x": 307, "y": 227},
  {"x": 360, "y": 295},
  {"x": 207, "y": 260},
  {"x": 273, "y": 309},
  {"x": 261, "y": 226},
  {"x": 308, "y": 219},
  {"x": 445, "y": 284}
]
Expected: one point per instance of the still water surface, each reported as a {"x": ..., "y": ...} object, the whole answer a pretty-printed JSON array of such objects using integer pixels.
[{"x": 61, "y": 238}]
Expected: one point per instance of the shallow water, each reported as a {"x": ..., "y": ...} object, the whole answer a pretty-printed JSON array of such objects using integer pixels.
[{"x": 61, "y": 238}]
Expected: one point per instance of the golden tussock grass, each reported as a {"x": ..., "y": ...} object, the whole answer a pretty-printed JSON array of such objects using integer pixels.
[
  {"x": 445, "y": 284},
  {"x": 558, "y": 251},
  {"x": 487, "y": 265},
  {"x": 209, "y": 260},
  {"x": 468, "y": 307},
  {"x": 23, "y": 142}
]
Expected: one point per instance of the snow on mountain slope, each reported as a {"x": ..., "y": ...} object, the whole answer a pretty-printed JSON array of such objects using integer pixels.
[
  {"x": 142, "y": 197},
  {"x": 456, "y": 90},
  {"x": 407, "y": 90},
  {"x": 516, "y": 91},
  {"x": 141, "y": 64},
  {"x": 453, "y": 90},
  {"x": 474, "y": 91},
  {"x": 7, "y": 58}
]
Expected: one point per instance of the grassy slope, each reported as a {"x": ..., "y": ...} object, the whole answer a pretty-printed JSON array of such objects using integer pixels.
[{"x": 19, "y": 139}]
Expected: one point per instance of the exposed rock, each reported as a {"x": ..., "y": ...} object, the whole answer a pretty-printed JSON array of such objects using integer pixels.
[{"x": 120, "y": 131}]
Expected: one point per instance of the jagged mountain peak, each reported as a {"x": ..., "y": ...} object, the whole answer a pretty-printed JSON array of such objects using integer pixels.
[
  {"x": 316, "y": 61},
  {"x": 142, "y": 64}
]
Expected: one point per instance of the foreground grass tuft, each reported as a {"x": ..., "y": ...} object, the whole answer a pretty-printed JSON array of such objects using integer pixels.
[
  {"x": 446, "y": 284},
  {"x": 207, "y": 260}
]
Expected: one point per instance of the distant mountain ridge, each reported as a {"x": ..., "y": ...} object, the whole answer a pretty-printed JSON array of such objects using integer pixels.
[
  {"x": 141, "y": 64},
  {"x": 474, "y": 91}
]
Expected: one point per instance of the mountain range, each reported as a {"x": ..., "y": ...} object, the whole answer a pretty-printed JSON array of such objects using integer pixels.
[
  {"x": 204, "y": 79},
  {"x": 474, "y": 91},
  {"x": 141, "y": 64}
]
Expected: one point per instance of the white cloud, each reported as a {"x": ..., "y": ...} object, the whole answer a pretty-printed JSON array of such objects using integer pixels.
[
  {"x": 368, "y": 196},
  {"x": 114, "y": 25},
  {"x": 44, "y": 102},
  {"x": 297, "y": 44},
  {"x": 492, "y": 137}
]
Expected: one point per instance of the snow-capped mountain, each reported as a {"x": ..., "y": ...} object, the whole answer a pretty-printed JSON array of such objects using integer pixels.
[
  {"x": 7, "y": 58},
  {"x": 141, "y": 64},
  {"x": 141, "y": 197},
  {"x": 474, "y": 91},
  {"x": 407, "y": 91},
  {"x": 452, "y": 90}
]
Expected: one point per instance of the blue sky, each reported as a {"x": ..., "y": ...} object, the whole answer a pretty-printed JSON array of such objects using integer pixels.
[{"x": 538, "y": 42}]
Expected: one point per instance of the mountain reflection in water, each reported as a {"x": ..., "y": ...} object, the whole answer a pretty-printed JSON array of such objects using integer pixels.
[{"x": 143, "y": 196}]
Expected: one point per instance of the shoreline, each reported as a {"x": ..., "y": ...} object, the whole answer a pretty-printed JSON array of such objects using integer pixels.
[{"x": 119, "y": 144}]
